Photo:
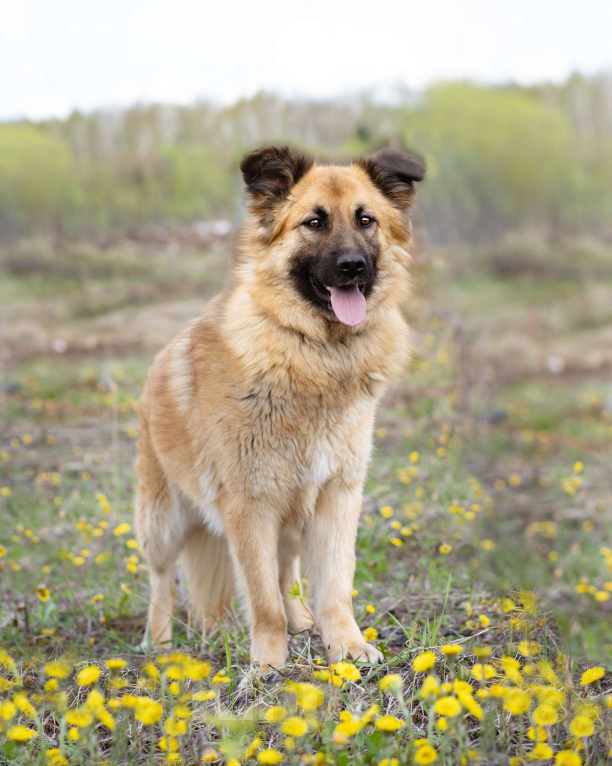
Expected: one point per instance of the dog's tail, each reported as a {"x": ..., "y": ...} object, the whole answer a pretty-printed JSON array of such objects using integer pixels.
[{"x": 210, "y": 575}]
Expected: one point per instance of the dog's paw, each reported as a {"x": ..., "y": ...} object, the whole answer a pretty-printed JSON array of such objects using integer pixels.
[
  {"x": 356, "y": 650},
  {"x": 268, "y": 654},
  {"x": 299, "y": 616}
]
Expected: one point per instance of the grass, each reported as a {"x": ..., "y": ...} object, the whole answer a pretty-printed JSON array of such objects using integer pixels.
[{"x": 486, "y": 529}]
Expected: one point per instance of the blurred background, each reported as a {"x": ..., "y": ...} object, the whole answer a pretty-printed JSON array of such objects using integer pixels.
[{"x": 121, "y": 130}]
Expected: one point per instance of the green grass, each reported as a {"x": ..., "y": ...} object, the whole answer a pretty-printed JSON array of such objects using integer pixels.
[{"x": 462, "y": 510}]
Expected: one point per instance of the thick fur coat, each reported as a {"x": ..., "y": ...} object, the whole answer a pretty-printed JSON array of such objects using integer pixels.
[{"x": 257, "y": 420}]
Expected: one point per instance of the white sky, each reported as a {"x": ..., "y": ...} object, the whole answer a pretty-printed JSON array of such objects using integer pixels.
[{"x": 56, "y": 55}]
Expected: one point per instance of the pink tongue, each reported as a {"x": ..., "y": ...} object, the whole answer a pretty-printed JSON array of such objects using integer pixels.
[{"x": 348, "y": 304}]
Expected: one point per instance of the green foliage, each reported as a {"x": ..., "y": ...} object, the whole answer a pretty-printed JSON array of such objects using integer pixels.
[
  {"x": 37, "y": 181},
  {"x": 499, "y": 159}
]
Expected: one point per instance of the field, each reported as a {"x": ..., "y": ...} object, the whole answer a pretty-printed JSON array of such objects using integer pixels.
[{"x": 484, "y": 558}]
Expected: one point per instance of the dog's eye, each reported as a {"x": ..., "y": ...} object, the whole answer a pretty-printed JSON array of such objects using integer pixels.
[
  {"x": 364, "y": 221},
  {"x": 314, "y": 223}
]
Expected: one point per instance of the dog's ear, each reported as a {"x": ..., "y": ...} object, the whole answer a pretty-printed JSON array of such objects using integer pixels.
[
  {"x": 270, "y": 172},
  {"x": 395, "y": 173}
]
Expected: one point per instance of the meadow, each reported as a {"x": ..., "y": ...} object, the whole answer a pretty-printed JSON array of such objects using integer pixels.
[{"x": 484, "y": 568}]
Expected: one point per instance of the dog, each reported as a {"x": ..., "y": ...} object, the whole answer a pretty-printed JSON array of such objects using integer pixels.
[{"x": 256, "y": 422}]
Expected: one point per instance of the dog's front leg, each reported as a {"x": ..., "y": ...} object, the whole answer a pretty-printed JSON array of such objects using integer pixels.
[
  {"x": 330, "y": 540},
  {"x": 252, "y": 532}
]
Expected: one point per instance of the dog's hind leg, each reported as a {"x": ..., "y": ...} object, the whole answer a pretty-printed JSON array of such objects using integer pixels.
[
  {"x": 210, "y": 574},
  {"x": 161, "y": 528},
  {"x": 299, "y": 617}
]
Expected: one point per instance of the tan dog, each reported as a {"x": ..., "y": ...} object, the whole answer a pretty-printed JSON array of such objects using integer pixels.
[{"x": 256, "y": 421}]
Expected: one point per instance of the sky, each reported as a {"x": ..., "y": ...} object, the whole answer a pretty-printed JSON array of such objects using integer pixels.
[{"x": 58, "y": 55}]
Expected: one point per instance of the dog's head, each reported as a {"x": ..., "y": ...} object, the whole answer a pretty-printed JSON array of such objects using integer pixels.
[{"x": 330, "y": 242}]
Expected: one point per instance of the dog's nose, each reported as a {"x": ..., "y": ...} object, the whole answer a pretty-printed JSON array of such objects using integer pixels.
[{"x": 351, "y": 264}]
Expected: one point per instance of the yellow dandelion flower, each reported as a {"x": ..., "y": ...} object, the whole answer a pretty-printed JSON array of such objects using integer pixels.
[
  {"x": 370, "y": 634},
  {"x": 529, "y": 648},
  {"x": 196, "y": 670},
  {"x": 451, "y": 650},
  {"x": 447, "y": 706},
  {"x": 517, "y": 701},
  {"x": 176, "y": 673},
  {"x": 389, "y": 723},
  {"x": 470, "y": 704},
  {"x": 182, "y": 711},
  {"x": 175, "y": 727},
  {"x": 425, "y": 755},
  {"x": 122, "y": 529},
  {"x": 88, "y": 676},
  {"x": 20, "y": 733},
  {"x": 327, "y": 677},
  {"x": 7, "y": 710},
  {"x": 79, "y": 718},
  {"x": 423, "y": 662},
  {"x": 294, "y": 726},
  {"x": 430, "y": 687},
  {"x": 24, "y": 704},
  {"x": 347, "y": 671},
  {"x": 210, "y": 755},
  {"x": 370, "y": 609},
  {"x": 43, "y": 593},
  {"x": 483, "y": 672},
  {"x": 392, "y": 682},
  {"x": 308, "y": 696},
  {"x": 270, "y": 757},
  {"x": 550, "y": 695},
  {"x": 541, "y": 752},
  {"x": 591, "y": 675},
  {"x": 55, "y": 758},
  {"x": 445, "y": 548},
  {"x": 545, "y": 715},
  {"x": 568, "y": 758},
  {"x": 386, "y": 511},
  {"x": 462, "y": 687},
  {"x": 115, "y": 664},
  {"x": 442, "y": 723},
  {"x": 169, "y": 744},
  {"x": 347, "y": 729},
  {"x": 148, "y": 711},
  {"x": 581, "y": 726},
  {"x": 275, "y": 714},
  {"x": 203, "y": 696},
  {"x": 369, "y": 715},
  {"x": 511, "y": 668},
  {"x": 536, "y": 734},
  {"x": 57, "y": 669}
]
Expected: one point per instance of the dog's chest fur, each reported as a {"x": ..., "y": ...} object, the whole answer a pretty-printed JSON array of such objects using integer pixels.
[
  {"x": 267, "y": 419},
  {"x": 293, "y": 439}
]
